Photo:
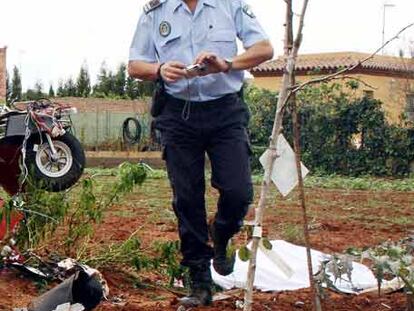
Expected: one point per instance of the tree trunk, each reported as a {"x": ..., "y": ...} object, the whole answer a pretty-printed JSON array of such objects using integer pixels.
[{"x": 296, "y": 132}]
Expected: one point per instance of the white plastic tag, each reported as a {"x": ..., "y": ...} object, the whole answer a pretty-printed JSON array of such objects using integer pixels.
[
  {"x": 284, "y": 174},
  {"x": 257, "y": 232}
]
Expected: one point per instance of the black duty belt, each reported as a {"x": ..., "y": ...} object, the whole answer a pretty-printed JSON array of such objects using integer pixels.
[{"x": 195, "y": 105}]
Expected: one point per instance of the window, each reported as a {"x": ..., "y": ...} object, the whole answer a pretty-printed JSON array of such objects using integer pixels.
[
  {"x": 410, "y": 106},
  {"x": 368, "y": 94}
]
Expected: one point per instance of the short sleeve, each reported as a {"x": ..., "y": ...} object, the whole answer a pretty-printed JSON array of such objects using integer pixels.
[
  {"x": 142, "y": 46},
  {"x": 248, "y": 27}
]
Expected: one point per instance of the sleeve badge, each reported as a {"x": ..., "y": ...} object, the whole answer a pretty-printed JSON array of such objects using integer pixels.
[{"x": 248, "y": 11}]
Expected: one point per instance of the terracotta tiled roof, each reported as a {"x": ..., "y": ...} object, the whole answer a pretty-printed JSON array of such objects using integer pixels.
[{"x": 335, "y": 61}]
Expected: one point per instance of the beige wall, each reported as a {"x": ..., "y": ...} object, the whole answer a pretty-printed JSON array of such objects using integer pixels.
[
  {"x": 2, "y": 75},
  {"x": 390, "y": 90}
]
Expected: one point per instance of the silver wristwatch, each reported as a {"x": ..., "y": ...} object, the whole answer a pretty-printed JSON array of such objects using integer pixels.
[{"x": 229, "y": 62}]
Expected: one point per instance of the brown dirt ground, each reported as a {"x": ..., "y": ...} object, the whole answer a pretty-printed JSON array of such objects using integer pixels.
[{"x": 339, "y": 219}]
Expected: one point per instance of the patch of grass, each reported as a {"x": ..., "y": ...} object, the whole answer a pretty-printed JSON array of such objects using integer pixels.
[
  {"x": 124, "y": 213},
  {"x": 360, "y": 183},
  {"x": 354, "y": 183},
  {"x": 163, "y": 213},
  {"x": 152, "y": 174},
  {"x": 403, "y": 220},
  {"x": 311, "y": 181},
  {"x": 293, "y": 233},
  {"x": 158, "y": 174}
]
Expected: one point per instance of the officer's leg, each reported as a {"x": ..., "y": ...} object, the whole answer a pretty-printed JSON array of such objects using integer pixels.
[
  {"x": 185, "y": 158},
  {"x": 229, "y": 154},
  {"x": 186, "y": 172},
  {"x": 185, "y": 166}
]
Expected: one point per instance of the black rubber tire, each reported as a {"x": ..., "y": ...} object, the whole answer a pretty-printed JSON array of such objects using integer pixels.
[{"x": 56, "y": 184}]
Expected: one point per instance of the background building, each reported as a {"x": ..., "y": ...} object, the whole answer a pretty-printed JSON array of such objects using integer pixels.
[
  {"x": 389, "y": 79},
  {"x": 2, "y": 75}
]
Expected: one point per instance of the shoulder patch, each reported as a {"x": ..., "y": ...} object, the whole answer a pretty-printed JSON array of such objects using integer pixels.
[
  {"x": 152, "y": 5},
  {"x": 248, "y": 11}
]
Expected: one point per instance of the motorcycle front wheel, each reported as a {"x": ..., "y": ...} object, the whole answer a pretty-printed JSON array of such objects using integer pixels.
[{"x": 59, "y": 172}]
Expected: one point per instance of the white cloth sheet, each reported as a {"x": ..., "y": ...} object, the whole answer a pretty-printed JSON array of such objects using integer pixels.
[{"x": 270, "y": 277}]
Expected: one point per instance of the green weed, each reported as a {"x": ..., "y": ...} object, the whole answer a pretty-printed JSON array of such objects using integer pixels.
[{"x": 293, "y": 233}]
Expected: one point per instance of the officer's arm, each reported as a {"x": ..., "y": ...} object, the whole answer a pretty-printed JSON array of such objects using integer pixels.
[
  {"x": 256, "y": 54},
  {"x": 250, "y": 32},
  {"x": 143, "y": 61},
  {"x": 253, "y": 56},
  {"x": 142, "y": 70},
  {"x": 170, "y": 72}
]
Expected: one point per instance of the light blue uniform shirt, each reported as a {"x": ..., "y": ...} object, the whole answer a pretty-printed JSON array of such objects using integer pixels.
[{"x": 171, "y": 32}]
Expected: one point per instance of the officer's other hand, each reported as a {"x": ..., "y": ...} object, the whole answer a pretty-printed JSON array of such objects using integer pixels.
[
  {"x": 172, "y": 71},
  {"x": 214, "y": 63}
]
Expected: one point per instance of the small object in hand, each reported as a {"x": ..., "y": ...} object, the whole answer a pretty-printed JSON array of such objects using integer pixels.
[{"x": 196, "y": 67}]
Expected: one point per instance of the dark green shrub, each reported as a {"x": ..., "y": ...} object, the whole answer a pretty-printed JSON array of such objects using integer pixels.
[{"x": 340, "y": 133}]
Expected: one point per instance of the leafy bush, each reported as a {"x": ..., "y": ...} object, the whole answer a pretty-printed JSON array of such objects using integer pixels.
[
  {"x": 340, "y": 133},
  {"x": 46, "y": 212}
]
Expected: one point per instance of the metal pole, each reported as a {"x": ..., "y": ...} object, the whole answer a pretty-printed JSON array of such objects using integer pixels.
[{"x": 386, "y": 5}]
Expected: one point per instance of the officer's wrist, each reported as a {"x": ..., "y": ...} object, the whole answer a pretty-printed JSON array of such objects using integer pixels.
[
  {"x": 229, "y": 63},
  {"x": 159, "y": 75}
]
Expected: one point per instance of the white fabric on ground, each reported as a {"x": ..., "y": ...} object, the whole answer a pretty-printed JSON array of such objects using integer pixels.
[{"x": 269, "y": 277}]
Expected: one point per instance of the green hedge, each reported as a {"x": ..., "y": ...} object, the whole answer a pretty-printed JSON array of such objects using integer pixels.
[{"x": 331, "y": 119}]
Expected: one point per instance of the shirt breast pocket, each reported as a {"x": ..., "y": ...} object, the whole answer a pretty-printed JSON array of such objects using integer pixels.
[
  {"x": 223, "y": 43},
  {"x": 170, "y": 48}
]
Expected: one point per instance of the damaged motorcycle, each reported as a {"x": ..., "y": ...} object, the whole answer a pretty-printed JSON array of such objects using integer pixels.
[{"x": 36, "y": 142}]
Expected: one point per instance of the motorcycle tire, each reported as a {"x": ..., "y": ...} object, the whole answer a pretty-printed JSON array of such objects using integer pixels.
[{"x": 61, "y": 173}]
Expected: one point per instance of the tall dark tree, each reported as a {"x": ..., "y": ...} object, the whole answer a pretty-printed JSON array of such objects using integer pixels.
[
  {"x": 101, "y": 88},
  {"x": 30, "y": 94},
  {"x": 83, "y": 82},
  {"x": 146, "y": 88},
  {"x": 8, "y": 88},
  {"x": 51, "y": 91},
  {"x": 61, "y": 89},
  {"x": 16, "y": 85},
  {"x": 132, "y": 88},
  {"x": 109, "y": 86},
  {"x": 120, "y": 80},
  {"x": 34, "y": 93},
  {"x": 70, "y": 88},
  {"x": 38, "y": 90}
]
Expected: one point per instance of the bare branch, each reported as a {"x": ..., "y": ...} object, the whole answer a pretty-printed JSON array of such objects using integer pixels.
[
  {"x": 346, "y": 77},
  {"x": 348, "y": 69},
  {"x": 299, "y": 35}
]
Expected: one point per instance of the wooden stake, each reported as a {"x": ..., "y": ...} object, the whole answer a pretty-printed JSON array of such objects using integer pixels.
[{"x": 291, "y": 52}]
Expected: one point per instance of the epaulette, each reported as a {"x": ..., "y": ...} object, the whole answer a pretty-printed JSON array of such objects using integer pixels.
[{"x": 152, "y": 5}]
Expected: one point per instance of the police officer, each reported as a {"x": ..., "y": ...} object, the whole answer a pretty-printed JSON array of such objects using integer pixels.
[{"x": 204, "y": 113}]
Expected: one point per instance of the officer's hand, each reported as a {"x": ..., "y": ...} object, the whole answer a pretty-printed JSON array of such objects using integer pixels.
[
  {"x": 172, "y": 71},
  {"x": 215, "y": 64}
]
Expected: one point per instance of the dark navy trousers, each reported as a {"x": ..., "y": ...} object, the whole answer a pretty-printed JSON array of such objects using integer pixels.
[{"x": 189, "y": 131}]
